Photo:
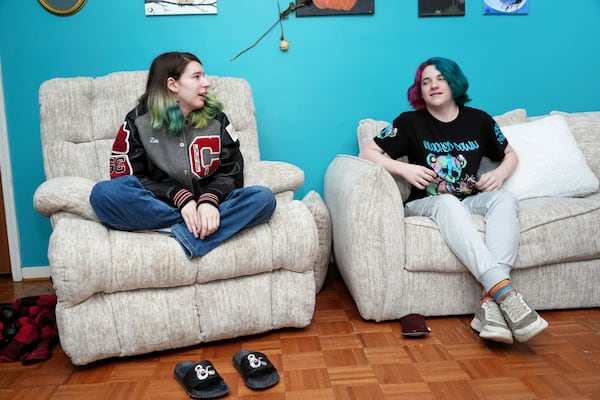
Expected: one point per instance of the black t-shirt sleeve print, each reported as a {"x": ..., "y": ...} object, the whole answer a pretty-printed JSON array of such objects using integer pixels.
[
  {"x": 392, "y": 138},
  {"x": 497, "y": 142}
]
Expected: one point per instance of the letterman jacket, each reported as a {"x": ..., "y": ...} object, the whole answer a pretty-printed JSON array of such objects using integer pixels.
[{"x": 199, "y": 164}]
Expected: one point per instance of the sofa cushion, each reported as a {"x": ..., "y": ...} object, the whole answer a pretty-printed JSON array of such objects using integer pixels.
[
  {"x": 553, "y": 230},
  {"x": 550, "y": 161},
  {"x": 558, "y": 229},
  {"x": 367, "y": 129},
  {"x": 516, "y": 116}
]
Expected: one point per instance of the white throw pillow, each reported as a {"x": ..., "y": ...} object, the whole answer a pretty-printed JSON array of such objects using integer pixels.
[{"x": 550, "y": 162}]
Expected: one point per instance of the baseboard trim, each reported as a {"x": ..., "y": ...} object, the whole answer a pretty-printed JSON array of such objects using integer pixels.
[{"x": 35, "y": 272}]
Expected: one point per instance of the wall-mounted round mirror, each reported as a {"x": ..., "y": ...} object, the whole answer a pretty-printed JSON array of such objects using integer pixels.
[{"x": 62, "y": 7}]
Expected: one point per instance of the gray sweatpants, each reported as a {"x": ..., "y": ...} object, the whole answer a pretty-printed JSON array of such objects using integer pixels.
[{"x": 489, "y": 260}]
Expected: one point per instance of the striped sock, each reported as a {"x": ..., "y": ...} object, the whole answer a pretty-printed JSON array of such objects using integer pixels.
[
  {"x": 499, "y": 289},
  {"x": 485, "y": 298}
]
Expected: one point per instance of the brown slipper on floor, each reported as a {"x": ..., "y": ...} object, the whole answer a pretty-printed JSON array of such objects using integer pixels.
[{"x": 413, "y": 325}]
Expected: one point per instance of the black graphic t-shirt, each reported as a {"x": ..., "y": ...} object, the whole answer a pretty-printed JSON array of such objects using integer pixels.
[{"x": 452, "y": 149}]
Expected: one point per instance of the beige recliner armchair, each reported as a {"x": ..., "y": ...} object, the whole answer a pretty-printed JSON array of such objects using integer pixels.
[{"x": 126, "y": 293}]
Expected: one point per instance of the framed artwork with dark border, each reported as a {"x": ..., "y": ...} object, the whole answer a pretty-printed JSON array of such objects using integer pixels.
[
  {"x": 441, "y": 8},
  {"x": 335, "y": 7}
]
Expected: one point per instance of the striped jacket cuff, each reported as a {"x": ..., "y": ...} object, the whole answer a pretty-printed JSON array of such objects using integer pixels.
[
  {"x": 210, "y": 198},
  {"x": 182, "y": 197}
]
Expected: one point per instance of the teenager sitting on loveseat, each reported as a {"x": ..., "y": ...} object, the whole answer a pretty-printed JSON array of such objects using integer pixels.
[{"x": 445, "y": 142}]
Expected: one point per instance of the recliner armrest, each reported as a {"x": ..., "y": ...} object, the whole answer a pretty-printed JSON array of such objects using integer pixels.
[
  {"x": 279, "y": 176},
  {"x": 67, "y": 193},
  {"x": 71, "y": 193}
]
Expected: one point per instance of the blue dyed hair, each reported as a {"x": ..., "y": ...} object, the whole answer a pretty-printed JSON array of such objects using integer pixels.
[{"x": 454, "y": 76}]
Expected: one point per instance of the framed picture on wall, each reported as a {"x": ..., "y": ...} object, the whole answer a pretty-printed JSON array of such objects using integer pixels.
[
  {"x": 333, "y": 7},
  {"x": 506, "y": 6},
  {"x": 62, "y": 7},
  {"x": 180, "y": 7},
  {"x": 440, "y": 8}
]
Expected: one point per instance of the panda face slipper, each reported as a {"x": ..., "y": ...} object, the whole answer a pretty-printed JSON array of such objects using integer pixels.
[
  {"x": 256, "y": 369},
  {"x": 200, "y": 380}
]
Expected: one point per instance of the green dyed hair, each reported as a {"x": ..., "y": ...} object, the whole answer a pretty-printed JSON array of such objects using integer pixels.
[{"x": 160, "y": 102}]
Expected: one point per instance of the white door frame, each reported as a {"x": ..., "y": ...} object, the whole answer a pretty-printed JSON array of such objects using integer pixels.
[{"x": 12, "y": 228}]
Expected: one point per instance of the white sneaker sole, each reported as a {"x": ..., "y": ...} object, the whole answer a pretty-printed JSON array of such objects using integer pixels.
[
  {"x": 497, "y": 334},
  {"x": 524, "y": 334}
]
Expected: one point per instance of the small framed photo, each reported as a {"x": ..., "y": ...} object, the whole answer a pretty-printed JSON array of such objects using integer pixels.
[
  {"x": 506, "y": 7},
  {"x": 180, "y": 7},
  {"x": 440, "y": 8}
]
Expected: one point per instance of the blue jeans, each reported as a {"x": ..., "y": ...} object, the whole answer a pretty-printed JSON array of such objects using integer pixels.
[
  {"x": 124, "y": 204},
  {"x": 489, "y": 260}
]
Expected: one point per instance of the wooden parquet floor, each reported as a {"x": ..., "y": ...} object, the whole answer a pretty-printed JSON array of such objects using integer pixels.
[{"x": 341, "y": 356}]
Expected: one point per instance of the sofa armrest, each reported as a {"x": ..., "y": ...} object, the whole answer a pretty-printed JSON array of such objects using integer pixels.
[
  {"x": 67, "y": 193},
  {"x": 279, "y": 176},
  {"x": 368, "y": 227}
]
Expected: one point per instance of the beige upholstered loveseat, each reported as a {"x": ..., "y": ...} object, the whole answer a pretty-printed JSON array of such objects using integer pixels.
[
  {"x": 125, "y": 293},
  {"x": 394, "y": 265}
]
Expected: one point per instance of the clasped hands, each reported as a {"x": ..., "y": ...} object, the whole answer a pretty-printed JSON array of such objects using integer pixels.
[{"x": 202, "y": 219}]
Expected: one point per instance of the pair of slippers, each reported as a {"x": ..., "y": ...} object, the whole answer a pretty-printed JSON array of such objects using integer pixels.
[
  {"x": 202, "y": 381},
  {"x": 413, "y": 325}
]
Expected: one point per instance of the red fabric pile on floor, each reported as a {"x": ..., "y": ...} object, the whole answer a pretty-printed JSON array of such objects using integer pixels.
[{"x": 28, "y": 329}]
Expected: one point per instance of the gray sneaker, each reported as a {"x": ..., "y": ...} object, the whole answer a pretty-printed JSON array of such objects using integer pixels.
[
  {"x": 524, "y": 322},
  {"x": 490, "y": 323}
]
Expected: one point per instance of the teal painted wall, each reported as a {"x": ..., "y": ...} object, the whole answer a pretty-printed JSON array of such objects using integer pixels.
[{"x": 338, "y": 70}]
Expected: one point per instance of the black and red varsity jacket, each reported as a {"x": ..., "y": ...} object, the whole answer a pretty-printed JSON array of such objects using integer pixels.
[{"x": 201, "y": 164}]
